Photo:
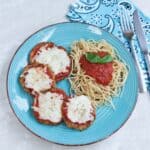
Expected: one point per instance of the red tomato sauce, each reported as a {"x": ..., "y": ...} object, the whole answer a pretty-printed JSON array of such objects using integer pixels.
[{"x": 102, "y": 73}]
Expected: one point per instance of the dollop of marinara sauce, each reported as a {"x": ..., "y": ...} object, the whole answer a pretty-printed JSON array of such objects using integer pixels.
[{"x": 102, "y": 73}]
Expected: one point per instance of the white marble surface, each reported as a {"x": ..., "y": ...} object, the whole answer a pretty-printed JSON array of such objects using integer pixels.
[{"x": 20, "y": 18}]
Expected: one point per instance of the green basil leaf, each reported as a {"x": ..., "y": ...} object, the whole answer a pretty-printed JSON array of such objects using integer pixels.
[{"x": 94, "y": 58}]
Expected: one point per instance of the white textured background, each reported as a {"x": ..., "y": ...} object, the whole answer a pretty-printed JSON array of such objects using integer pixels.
[{"x": 19, "y": 19}]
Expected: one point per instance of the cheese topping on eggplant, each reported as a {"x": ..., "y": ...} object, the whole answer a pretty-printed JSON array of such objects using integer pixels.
[
  {"x": 56, "y": 58},
  {"x": 79, "y": 109},
  {"x": 37, "y": 79},
  {"x": 49, "y": 106}
]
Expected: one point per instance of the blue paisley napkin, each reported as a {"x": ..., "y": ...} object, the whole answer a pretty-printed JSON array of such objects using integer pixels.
[{"x": 105, "y": 14}]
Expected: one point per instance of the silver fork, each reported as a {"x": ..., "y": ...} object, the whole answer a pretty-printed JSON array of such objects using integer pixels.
[{"x": 128, "y": 33}]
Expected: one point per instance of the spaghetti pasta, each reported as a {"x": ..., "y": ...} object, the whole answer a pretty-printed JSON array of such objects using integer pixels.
[{"x": 83, "y": 84}]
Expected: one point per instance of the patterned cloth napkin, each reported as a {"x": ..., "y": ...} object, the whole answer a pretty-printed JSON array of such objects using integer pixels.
[{"x": 105, "y": 14}]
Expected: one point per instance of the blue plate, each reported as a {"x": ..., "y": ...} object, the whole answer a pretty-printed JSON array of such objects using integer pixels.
[{"x": 107, "y": 120}]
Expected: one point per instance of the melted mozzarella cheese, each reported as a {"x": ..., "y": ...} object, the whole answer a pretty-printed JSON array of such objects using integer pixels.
[
  {"x": 79, "y": 109},
  {"x": 50, "y": 106},
  {"x": 37, "y": 79},
  {"x": 56, "y": 58}
]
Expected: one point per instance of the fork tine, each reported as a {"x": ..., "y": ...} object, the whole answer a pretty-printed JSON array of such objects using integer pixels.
[
  {"x": 130, "y": 24},
  {"x": 129, "y": 21},
  {"x": 126, "y": 20},
  {"x": 122, "y": 21}
]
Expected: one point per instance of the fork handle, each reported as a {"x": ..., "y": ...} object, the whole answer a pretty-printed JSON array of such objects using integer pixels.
[{"x": 142, "y": 88}]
